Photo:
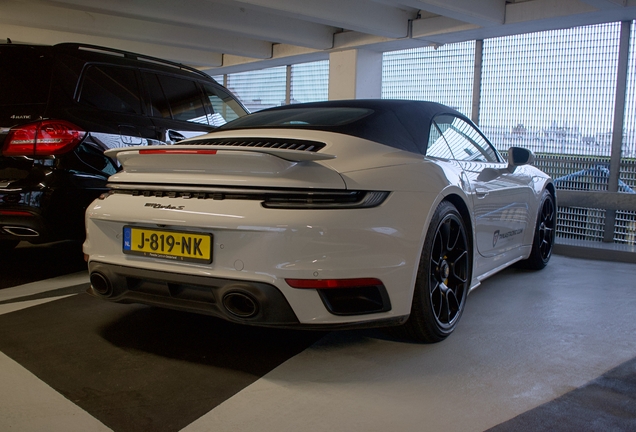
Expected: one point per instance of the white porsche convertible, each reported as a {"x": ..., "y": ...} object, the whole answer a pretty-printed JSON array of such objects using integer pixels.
[{"x": 324, "y": 215}]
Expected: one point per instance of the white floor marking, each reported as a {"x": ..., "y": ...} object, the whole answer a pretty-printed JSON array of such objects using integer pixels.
[
  {"x": 12, "y": 307},
  {"x": 44, "y": 286},
  {"x": 28, "y": 404}
]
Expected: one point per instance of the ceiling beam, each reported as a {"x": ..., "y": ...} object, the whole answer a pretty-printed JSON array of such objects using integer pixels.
[
  {"x": 600, "y": 4},
  {"x": 545, "y": 9},
  {"x": 358, "y": 15},
  {"x": 526, "y": 17},
  {"x": 432, "y": 28},
  {"x": 483, "y": 12},
  {"x": 220, "y": 16},
  {"x": 197, "y": 58},
  {"x": 289, "y": 54},
  {"x": 283, "y": 55},
  {"x": 45, "y": 16},
  {"x": 354, "y": 40}
]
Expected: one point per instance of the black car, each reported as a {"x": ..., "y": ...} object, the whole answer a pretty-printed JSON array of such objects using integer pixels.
[{"x": 62, "y": 106}]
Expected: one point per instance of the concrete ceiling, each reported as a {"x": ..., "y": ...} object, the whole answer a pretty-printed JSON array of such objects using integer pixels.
[{"x": 223, "y": 36}]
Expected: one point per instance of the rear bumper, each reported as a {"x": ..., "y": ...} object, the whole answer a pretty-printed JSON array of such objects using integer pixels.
[
  {"x": 44, "y": 215},
  {"x": 259, "y": 304},
  {"x": 24, "y": 224},
  {"x": 205, "y": 295}
]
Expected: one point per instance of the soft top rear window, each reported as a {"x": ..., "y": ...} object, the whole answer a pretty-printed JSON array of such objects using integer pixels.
[
  {"x": 25, "y": 74},
  {"x": 299, "y": 117},
  {"x": 401, "y": 124}
]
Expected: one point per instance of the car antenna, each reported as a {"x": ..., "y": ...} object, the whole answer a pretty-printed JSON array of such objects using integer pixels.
[{"x": 9, "y": 41}]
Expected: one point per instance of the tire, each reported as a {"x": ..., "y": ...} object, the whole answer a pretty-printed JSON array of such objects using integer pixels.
[
  {"x": 544, "y": 234},
  {"x": 443, "y": 278}
]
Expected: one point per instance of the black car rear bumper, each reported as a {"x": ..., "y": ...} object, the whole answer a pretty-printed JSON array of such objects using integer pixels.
[{"x": 43, "y": 212}]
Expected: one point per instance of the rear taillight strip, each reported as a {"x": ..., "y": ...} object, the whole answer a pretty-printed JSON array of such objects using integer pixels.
[
  {"x": 273, "y": 199},
  {"x": 15, "y": 213}
]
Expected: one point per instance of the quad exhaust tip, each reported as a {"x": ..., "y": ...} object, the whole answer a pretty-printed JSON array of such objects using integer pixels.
[
  {"x": 240, "y": 304},
  {"x": 236, "y": 303},
  {"x": 101, "y": 284},
  {"x": 21, "y": 231}
]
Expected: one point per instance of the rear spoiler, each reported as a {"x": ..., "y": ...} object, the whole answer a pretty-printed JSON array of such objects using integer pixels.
[{"x": 288, "y": 155}]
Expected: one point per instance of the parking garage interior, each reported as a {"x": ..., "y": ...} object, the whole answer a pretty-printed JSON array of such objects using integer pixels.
[{"x": 536, "y": 350}]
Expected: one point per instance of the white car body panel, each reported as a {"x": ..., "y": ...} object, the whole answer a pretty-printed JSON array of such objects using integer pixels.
[
  {"x": 272, "y": 245},
  {"x": 269, "y": 245}
]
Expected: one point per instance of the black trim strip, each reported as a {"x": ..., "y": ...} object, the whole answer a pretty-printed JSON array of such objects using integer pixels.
[
  {"x": 277, "y": 143},
  {"x": 281, "y": 199}
]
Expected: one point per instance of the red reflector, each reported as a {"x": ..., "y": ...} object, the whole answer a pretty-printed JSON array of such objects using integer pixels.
[
  {"x": 15, "y": 213},
  {"x": 176, "y": 151},
  {"x": 332, "y": 283},
  {"x": 44, "y": 138}
]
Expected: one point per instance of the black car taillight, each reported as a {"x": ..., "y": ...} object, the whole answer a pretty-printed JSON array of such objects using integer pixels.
[{"x": 43, "y": 138}]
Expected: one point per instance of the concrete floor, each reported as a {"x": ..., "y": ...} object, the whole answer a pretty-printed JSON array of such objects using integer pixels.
[{"x": 525, "y": 339}]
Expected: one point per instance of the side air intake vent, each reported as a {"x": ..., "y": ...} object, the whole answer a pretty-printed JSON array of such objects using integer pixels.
[{"x": 277, "y": 143}]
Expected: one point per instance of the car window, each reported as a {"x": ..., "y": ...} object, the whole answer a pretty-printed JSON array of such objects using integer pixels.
[
  {"x": 294, "y": 117},
  {"x": 465, "y": 142},
  {"x": 437, "y": 146},
  {"x": 185, "y": 99},
  {"x": 111, "y": 88},
  {"x": 96, "y": 159},
  {"x": 180, "y": 97},
  {"x": 223, "y": 106},
  {"x": 158, "y": 101}
]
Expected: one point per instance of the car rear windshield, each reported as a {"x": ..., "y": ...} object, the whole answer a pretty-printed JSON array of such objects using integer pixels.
[
  {"x": 382, "y": 124},
  {"x": 25, "y": 74},
  {"x": 299, "y": 117}
]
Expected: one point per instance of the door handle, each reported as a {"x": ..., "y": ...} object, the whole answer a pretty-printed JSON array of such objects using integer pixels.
[{"x": 481, "y": 193}]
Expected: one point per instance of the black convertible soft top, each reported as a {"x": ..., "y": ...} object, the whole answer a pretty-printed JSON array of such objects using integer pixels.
[{"x": 402, "y": 124}]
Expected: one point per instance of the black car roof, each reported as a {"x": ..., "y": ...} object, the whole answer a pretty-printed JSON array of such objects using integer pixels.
[
  {"x": 99, "y": 54},
  {"x": 95, "y": 53},
  {"x": 402, "y": 124}
]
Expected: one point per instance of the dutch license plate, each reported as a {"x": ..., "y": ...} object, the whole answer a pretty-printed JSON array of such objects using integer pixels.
[{"x": 168, "y": 244}]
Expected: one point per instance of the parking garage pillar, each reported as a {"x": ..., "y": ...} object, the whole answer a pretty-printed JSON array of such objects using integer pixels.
[{"x": 355, "y": 74}]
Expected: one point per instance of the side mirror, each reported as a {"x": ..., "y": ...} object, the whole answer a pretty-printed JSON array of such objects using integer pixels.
[
  {"x": 173, "y": 137},
  {"x": 518, "y": 156}
]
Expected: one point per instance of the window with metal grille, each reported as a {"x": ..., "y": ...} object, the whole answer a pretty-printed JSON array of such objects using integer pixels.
[
  {"x": 267, "y": 88},
  {"x": 554, "y": 93},
  {"x": 575, "y": 223},
  {"x": 628, "y": 160},
  {"x": 310, "y": 82},
  {"x": 259, "y": 89},
  {"x": 439, "y": 74}
]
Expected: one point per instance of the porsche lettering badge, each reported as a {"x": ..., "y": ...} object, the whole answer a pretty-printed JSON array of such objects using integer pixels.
[{"x": 497, "y": 236}]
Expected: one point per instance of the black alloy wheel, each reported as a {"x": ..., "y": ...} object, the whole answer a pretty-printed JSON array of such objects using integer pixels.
[
  {"x": 546, "y": 226},
  {"x": 544, "y": 234},
  {"x": 443, "y": 278},
  {"x": 448, "y": 270}
]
